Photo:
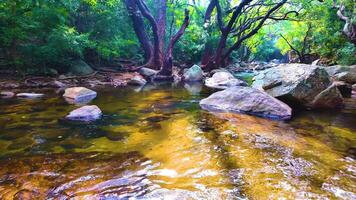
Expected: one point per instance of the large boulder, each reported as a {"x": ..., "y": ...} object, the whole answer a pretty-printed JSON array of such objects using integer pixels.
[
  {"x": 85, "y": 113},
  {"x": 137, "y": 80},
  {"x": 195, "y": 73},
  {"x": 295, "y": 84},
  {"x": 80, "y": 68},
  {"x": 147, "y": 72},
  {"x": 247, "y": 100},
  {"x": 329, "y": 98},
  {"x": 79, "y": 94},
  {"x": 223, "y": 80}
]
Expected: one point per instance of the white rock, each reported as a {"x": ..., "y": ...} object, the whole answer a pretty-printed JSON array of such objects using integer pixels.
[
  {"x": 85, "y": 113},
  {"x": 29, "y": 95},
  {"x": 79, "y": 94}
]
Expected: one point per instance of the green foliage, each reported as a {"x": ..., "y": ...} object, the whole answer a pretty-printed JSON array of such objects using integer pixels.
[{"x": 40, "y": 35}]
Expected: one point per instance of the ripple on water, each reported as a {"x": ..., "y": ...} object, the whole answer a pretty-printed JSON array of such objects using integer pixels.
[{"x": 158, "y": 144}]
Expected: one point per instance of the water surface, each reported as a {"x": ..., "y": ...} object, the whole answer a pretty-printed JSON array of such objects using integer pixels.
[{"x": 156, "y": 143}]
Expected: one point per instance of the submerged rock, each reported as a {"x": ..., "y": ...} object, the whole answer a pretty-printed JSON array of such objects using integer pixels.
[
  {"x": 79, "y": 94},
  {"x": 30, "y": 95},
  {"x": 85, "y": 113},
  {"x": 223, "y": 80},
  {"x": 193, "y": 87},
  {"x": 329, "y": 98},
  {"x": 137, "y": 80},
  {"x": 295, "y": 84},
  {"x": 195, "y": 73},
  {"x": 247, "y": 100}
]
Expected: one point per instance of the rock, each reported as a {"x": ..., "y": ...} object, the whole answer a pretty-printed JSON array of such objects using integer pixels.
[
  {"x": 336, "y": 69},
  {"x": 329, "y": 98},
  {"x": 354, "y": 87},
  {"x": 29, "y": 95},
  {"x": 295, "y": 84},
  {"x": 348, "y": 76},
  {"x": 137, "y": 80},
  {"x": 223, "y": 80},
  {"x": 147, "y": 72},
  {"x": 7, "y": 94},
  {"x": 79, "y": 94},
  {"x": 194, "y": 87},
  {"x": 58, "y": 84},
  {"x": 247, "y": 100},
  {"x": 195, "y": 73},
  {"x": 315, "y": 62},
  {"x": 80, "y": 68},
  {"x": 85, "y": 113},
  {"x": 344, "y": 88}
]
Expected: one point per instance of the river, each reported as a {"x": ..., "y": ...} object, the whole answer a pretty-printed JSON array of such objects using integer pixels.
[{"x": 156, "y": 143}]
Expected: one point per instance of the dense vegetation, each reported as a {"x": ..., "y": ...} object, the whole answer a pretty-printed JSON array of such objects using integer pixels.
[{"x": 39, "y": 36}]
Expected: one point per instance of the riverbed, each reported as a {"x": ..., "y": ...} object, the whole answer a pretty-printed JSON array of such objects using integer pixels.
[{"x": 156, "y": 143}]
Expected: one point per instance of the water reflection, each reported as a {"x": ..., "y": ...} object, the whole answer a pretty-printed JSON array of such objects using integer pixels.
[{"x": 158, "y": 144}]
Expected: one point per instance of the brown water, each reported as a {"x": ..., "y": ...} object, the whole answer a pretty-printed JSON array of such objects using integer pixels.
[{"x": 157, "y": 144}]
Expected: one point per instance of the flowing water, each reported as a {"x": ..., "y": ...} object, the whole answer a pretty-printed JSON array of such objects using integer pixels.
[{"x": 156, "y": 143}]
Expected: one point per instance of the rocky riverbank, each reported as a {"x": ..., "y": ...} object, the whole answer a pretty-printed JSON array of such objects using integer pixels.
[{"x": 293, "y": 85}]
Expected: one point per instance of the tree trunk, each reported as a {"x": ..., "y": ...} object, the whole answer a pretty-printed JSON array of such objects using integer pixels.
[
  {"x": 166, "y": 70},
  {"x": 138, "y": 26},
  {"x": 161, "y": 13}
]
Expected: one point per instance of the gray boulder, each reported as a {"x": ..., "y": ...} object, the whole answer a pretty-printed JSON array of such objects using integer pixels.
[
  {"x": 293, "y": 83},
  {"x": 247, "y": 100},
  {"x": 85, "y": 113},
  {"x": 223, "y": 80},
  {"x": 195, "y": 73},
  {"x": 348, "y": 76},
  {"x": 79, "y": 95},
  {"x": 30, "y": 95},
  {"x": 329, "y": 98},
  {"x": 80, "y": 68},
  {"x": 147, "y": 72},
  {"x": 137, "y": 80}
]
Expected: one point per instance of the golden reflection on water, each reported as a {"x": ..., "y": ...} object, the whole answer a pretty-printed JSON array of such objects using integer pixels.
[{"x": 158, "y": 144}]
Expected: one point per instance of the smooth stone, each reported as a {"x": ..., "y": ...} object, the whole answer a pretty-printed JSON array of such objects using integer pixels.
[
  {"x": 223, "y": 80},
  {"x": 247, "y": 100},
  {"x": 85, "y": 113},
  {"x": 147, "y": 72},
  {"x": 30, "y": 95},
  {"x": 7, "y": 94},
  {"x": 79, "y": 94},
  {"x": 195, "y": 73},
  {"x": 137, "y": 80}
]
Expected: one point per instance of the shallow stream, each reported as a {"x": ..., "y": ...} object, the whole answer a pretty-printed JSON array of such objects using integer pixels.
[{"x": 156, "y": 143}]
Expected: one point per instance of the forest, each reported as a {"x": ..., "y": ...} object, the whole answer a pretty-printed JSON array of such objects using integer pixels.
[
  {"x": 39, "y": 36},
  {"x": 177, "y": 99}
]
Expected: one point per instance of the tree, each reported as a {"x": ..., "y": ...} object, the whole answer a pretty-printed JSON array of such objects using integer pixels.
[
  {"x": 157, "y": 56},
  {"x": 243, "y": 21},
  {"x": 300, "y": 46}
]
